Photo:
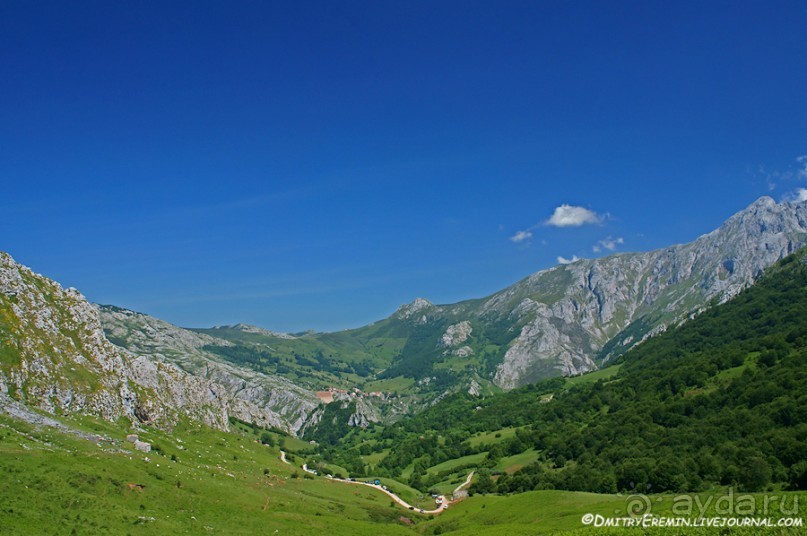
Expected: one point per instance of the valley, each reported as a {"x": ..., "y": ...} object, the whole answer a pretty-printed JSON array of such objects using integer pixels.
[
  {"x": 564, "y": 321},
  {"x": 690, "y": 382},
  {"x": 403, "y": 268},
  {"x": 202, "y": 480}
]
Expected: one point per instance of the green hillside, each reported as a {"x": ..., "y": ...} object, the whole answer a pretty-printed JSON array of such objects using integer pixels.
[
  {"x": 200, "y": 481},
  {"x": 720, "y": 401},
  {"x": 398, "y": 356},
  {"x": 715, "y": 407},
  {"x": 195, "y": 481}
]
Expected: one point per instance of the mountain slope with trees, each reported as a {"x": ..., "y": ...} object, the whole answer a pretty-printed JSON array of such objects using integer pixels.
[
  {"x": 566, "y": 320},
  {"x": 721, "y": 400}
]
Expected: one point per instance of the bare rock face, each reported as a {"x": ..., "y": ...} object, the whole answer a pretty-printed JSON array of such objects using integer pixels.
[
  {"x": 456, "y": 334},
  {"x": 56, "y": 357},
  {"x": 418, "y": 309},
  {"x": 365, "y": 414},
  {"x": 54, "y": 352},
  {"x": 253, "y": 396},
  {"x": 576, "y": 316}
]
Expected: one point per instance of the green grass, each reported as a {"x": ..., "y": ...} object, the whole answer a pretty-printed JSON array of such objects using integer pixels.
[
  {"x": 408, "y": 494},
  {"x": 294, "y": 444},
  {"x": 516, "y": 462},
  {"x": 205, "y": 481},
  {"x": 375, "y": 458},
  {"x": 55, "y": 483},
  {"x": 393, "y": 385},
  {"x": 553, "y": 512},
  {"x": 490, "y": 438},
  {"x": 538, "y": 512},
  {"x": 333, "y": 469},
  {"x": 448, "y": 465},
  {"x": 592, "y": 377}
]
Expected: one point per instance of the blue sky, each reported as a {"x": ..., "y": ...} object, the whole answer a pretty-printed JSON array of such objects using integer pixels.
[{"x": 312, "y": 165}]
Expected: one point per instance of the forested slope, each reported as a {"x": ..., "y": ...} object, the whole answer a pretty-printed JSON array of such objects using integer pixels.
[{"x": 721, "y": 400}]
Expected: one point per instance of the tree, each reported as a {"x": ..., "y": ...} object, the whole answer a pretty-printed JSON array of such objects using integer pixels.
[
  {"x": 754, "y": 474},
  {"x": 483, "y": 483}
]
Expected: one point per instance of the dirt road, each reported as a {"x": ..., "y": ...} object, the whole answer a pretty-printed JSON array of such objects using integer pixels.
[
  {"x": 442, "y": 501},
  {"x": 467, "y": 482}
]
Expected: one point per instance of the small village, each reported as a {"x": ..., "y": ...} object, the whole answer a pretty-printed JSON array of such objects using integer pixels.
[{"x": 332, "y": 393}]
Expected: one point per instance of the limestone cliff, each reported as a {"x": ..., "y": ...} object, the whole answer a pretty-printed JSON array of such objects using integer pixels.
[
  {"x": 265, "y": 399},
  {"x": 581, "y": 314},
  {"x": 54, "y": 356}
]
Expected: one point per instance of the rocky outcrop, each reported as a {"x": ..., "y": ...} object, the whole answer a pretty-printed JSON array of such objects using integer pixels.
[
  {"x": 254, "y": 397},
  {"x": 246, "y": 328},
  {"x": 578, "y": 315},
  {"x": 575, "y": 317},
  {"x": 456, "y": 334},
  {"x": 54, "y": 356},
  {"x": 418, "y": 310},
  {"x": 365, "y": 414}
]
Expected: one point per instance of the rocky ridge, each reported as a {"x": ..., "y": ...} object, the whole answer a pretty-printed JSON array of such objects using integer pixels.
[
  {"x": 247, "y": 328},
  {"x": 412, "y": 310},
  {"x": 580, "y": 315},
  {"x": 565, "y": 320},
  {"x": 255, "y": 397},
  {"x": 54, "y": 356},
  {"x": 575, "y": 317}
]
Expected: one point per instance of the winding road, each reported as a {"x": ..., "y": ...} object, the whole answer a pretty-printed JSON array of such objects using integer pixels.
[{"x": 442, "y": 501}]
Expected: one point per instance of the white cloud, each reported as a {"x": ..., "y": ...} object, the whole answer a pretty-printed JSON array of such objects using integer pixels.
[
  {"x": 521, "y": 236},
  {"x": 564, "y": 260},
  {"x": 792, "y": 173},
  {"x": 799, "y": 195},
  {"x": 571, "y": 216},
  {"x": 802, "y": 160},
  {"x": 608, "y": 243},
  {"x": 563, "y": 216}
]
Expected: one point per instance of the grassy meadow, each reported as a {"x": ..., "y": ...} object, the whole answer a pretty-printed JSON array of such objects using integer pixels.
[{"x": 201, "y": 481}]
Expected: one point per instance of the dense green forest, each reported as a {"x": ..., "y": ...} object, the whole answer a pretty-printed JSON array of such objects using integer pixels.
[{"x": 721, "y": 400}]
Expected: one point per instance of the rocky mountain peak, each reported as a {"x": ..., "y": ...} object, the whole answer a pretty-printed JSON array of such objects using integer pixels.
[
  {"x": 247, "y": 328},
  {"x": 411, "y": 309},
  {"x": 575, "y": 315}
]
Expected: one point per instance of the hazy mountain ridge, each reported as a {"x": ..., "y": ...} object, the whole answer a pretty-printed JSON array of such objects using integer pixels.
[{"x": 247, "y": 328}]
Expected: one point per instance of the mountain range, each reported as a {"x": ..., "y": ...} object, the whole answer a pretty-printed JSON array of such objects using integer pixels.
[{"x": 62, "y": 354}]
